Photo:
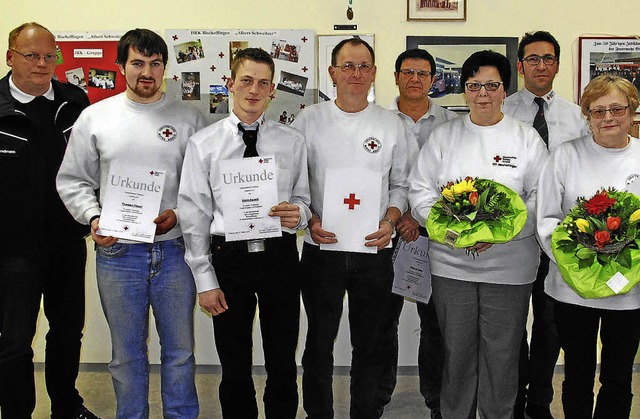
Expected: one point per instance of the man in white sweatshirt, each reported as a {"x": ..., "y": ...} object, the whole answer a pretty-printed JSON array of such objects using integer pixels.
[
  {"x": 144, "y": 128},
  {"x": 350, "y": 133}
]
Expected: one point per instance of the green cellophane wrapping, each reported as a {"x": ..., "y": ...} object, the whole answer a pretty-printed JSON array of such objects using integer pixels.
[
  {"x": 591, "y": 281},
  {"x": 500, "y": 230}
]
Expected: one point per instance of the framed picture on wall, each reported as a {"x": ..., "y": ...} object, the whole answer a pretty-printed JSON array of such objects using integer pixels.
[
  {"x": 437, "y": 10},
  {"x": 616, "y": 56},
  {"x": 449, "y": 52}
]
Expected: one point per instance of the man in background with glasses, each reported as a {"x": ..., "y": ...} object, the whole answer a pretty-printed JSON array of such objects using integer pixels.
[
  {"x": 350, "y": 133},
  {"x": 557, "y": 120},
  {"x": 415, "y": 73},
  {"x": 44, "y": 250}
]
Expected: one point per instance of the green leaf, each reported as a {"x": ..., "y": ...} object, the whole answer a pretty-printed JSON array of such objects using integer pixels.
[
  {"x": 472, "y": 215},
  {"x": 585, "y": 263},
  {"x": 624, "y": 258},
  {"x": 585, "y": 253}
]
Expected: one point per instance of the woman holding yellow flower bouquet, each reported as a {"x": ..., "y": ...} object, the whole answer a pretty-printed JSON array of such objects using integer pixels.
[
  {"x": 590, "y": 231},
  {"x": 482, "y": 294}
]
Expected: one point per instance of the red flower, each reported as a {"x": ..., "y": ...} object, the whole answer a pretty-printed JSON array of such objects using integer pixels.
[
  {"x": 613, "y": 223},
  {"x": 602, "y": 238},
  {"x": 599, "y": 203},
  {"x": 473, "y": 198}
]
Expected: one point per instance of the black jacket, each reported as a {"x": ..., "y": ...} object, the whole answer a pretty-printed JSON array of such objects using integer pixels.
[{"x": 32, "y": 215}]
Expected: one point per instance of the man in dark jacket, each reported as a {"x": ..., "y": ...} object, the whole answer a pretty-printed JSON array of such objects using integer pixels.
[{"x": 43, "y": 251}]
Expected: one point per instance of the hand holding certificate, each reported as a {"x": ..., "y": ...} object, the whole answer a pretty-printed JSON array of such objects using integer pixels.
[
  {"x": 249, "y": 190},
  {"x": 132, "y": 198}
]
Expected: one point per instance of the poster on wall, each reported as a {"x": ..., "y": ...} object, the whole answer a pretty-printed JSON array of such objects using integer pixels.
[
  {"x": 617, "y": 56},
  {"x": 326, "y": 43},
  {"x": 200, "y": 65},
  {"x": 88, "y": 60}
]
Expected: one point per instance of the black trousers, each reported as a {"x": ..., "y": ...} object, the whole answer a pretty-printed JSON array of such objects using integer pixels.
[
  {"x": 270, "y": 280},
  {"x": 367, "y": 279},
  {"x": 57, "y": 276},
  {"x": 537, "y": 362},
  {"x": 620, "y": 335}
]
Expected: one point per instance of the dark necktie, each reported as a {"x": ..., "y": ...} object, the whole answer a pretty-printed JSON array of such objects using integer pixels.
[
  {"x": 250, "y": 138},
  {"x": 539, "y": 123}
]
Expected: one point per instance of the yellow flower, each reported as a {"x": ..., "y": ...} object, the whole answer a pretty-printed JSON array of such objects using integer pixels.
[
  {"x": 583, "y": 225},
  {"x": 635, "y": 216},
  {"x": 465, "y": 186},
  {"x": 448, "y": 194}
]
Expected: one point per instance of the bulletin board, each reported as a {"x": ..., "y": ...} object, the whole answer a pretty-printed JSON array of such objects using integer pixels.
[
  {"x": 88, "y": 60},
  {"x": 200, "y": 65}
]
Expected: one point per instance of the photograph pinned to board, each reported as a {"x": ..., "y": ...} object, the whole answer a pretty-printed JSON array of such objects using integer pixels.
[
  {"x": 102, "y": 79},
  {"x": 190, "y": 85},
  {"x": 188, "y": 51},
  {"x": 218, "y": 99},
  {"x": 76, "y": 77}
]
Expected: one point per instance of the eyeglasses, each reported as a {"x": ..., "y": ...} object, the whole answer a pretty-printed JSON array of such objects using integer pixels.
[
  {"x": 365, "y": 68},
  {"x": 490, "y": 86},
  {"x": 33, "y": 58},
  {"x": 410, "y": 72},
  {"x": 599, "y": 113},
  {"x": 534, "y": 60}
]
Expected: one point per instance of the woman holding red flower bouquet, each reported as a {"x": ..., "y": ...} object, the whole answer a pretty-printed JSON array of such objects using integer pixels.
[
  {"x": 588, "y": 225},
  {"x": 482, "y": 294}
]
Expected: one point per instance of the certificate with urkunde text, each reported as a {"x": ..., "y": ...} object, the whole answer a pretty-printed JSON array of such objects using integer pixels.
[
  {"x": 132, "y": 198},
  {"x": 249, "y": 189},
  {"x": 412, "y": 275}
]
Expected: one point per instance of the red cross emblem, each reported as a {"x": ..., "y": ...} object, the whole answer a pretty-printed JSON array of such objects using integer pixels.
[
  {"x": 372, "y": 145},
  {"x": 351, "y": 201},
  {"x": 251, "y": 226},
  {"x": 152, "y": 173},
  {"x": 221, "y": 54},
  {"x": 175, "y": 78},
  {"x": 126, "y": 228},
  {"x": 167, "y": 133},
  {"x": 175, "y": 37},
  {"x": 302, "y": 106},
  {"x": 305, "y": 69},
  {"x": 497, "y": 159},
  {"x": 304, "y": 39},
  {"x": 224, "y": 77},
  {"x": 213, "y": 68}
]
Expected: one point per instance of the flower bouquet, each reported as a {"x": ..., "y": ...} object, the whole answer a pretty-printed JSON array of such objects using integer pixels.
[
  {"x": 596, "y": 245},
  {"x": 476, "y": 210}
]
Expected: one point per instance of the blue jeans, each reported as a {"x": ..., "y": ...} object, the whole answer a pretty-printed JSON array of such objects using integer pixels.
[{"x": 132, "y": 278}]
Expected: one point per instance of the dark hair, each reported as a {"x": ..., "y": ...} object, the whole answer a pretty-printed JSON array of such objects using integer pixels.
[
  {"x": 418, "y": 53},
  {"x": 254, "y": 54},
  {"x": 539, "y": 36},
  {"x": 352, "y": 41},
  {"x": 145, "y": 41},
  {"x": 486, "y": 58},
  {"x": 13, "y": 35}
]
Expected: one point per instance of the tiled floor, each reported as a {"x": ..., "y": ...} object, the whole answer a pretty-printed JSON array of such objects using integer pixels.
[{"x": 96, "y": 388}]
